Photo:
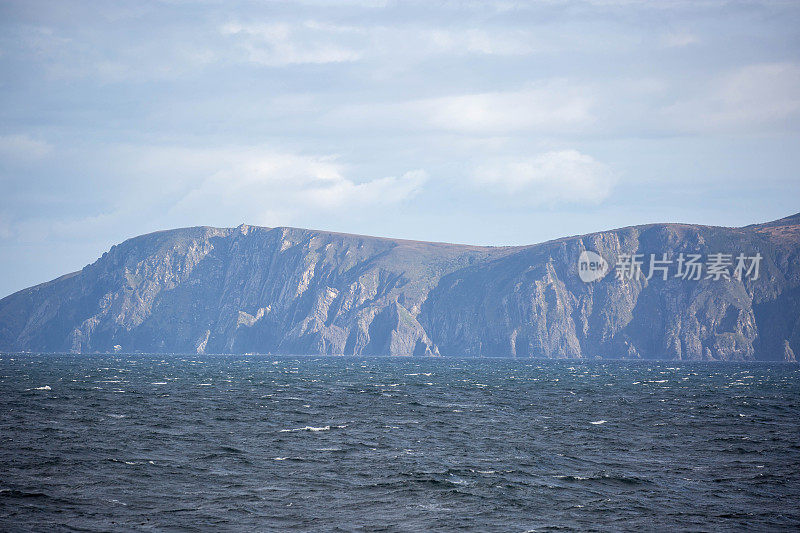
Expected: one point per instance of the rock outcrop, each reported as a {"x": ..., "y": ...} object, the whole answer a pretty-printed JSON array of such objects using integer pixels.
[{"x": 285, "y": 290}]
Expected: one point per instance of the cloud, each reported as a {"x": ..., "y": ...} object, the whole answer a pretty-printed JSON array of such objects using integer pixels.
[
  {"x": 22, "y": 148},
  {"x": 558, "y": 177},
  {"x": 382, "y": 191},
  {"x": 280, "y": 44},
  {"x": 312, "y": 42},
  {"x": 138, "y": 53},
  {"x": 137, "y": 189},
  {"x": 262, "y": 185},
  {"x": 151, "y": 50},
  {"x": 754, "y": 98},
  {"x": 550, "y": 106},
  {"x": 678, "y": 40},
  {"x": 479, "y": 41}
]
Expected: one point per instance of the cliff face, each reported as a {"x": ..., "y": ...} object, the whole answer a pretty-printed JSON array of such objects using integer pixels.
[{"x": 285, "y": 290}]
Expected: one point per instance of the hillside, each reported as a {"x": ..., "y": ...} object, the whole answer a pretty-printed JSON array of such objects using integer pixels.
[{"x": 294, "y": 291}]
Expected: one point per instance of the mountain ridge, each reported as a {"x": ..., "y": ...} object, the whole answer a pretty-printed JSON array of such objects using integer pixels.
[{"x": 254, "y": 289}]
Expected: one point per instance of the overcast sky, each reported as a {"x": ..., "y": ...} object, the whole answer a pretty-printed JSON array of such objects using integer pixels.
[{"x": 475, "y": 122}]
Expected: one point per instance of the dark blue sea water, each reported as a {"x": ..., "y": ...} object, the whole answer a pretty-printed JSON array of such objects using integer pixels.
[{"x": 137, "y": 442}]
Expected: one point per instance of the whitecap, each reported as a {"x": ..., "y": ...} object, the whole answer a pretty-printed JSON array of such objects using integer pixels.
[
  {"x": 598, "y": 422},
  {"x": 307, "y": 428},
  {"x": 159, "y": 383},
  {"x": 46, "y": 387}
]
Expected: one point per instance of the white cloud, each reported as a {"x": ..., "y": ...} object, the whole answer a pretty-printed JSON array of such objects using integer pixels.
[
  {"x": 284, "y": 43},
  {"x": 23, "y": 147},
  {"x": 550, "y": 106},
  {"x": 763, "y": 92},
  {"x": 281, "y": 44},
  {"x": 754, "y": 98},
  {"x": 66, "y": 55},
  {"x": 678, "y": 39},
  {"x": 267, "y": 187},
  {"x": 342, "y": 192},
  {"x": 144, "y": 188},
  {"x": 558, "y": 177},
  {"x": 478, "y": 41}
]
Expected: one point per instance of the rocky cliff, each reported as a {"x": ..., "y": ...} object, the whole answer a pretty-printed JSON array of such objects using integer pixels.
[{"x": 286, "y": 290}]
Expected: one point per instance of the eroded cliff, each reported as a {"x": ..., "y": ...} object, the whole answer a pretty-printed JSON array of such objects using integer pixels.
[{"x": 286, "y": 290}]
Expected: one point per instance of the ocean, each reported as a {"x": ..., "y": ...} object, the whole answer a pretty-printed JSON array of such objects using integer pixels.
[{"x": 264, "y": 443}]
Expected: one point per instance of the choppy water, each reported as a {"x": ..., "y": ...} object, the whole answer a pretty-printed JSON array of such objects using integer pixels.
[{"x": 220, "y": 443}]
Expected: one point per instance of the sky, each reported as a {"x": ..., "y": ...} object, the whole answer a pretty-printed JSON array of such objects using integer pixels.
[{"x": 491, "y": 122}]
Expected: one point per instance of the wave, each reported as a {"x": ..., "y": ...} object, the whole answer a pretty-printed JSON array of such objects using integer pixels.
[
  {"x": 605, "y": 478},
  {"x": 311, "y": 428}
]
